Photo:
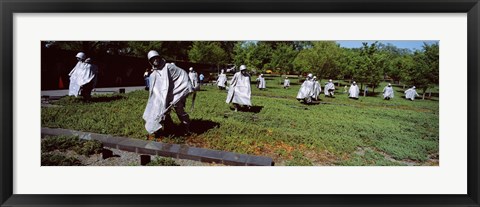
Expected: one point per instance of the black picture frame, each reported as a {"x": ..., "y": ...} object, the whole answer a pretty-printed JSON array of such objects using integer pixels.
[{"x": 9, "y": 7}]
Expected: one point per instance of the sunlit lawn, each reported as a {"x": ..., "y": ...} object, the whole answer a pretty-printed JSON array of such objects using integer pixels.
[{"x": 338, "y": 131}]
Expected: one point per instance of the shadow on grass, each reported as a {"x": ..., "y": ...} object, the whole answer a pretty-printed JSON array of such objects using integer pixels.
[
  {"x": 252, "y": 109},
  {"x": 176, "y": 133},
  {"x": 200, "y": 126},
  {"x": 197, "y": 126},
  {"x": 419, "y": 98},
  {"x": 371, "y": 94},
  {"x": 311, "y": 103}
]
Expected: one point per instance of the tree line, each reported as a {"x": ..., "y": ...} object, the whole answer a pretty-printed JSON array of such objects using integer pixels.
[{"x": 369, "y": 64}]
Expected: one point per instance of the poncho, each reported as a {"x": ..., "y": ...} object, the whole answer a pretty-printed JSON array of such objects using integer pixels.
[
  {"x": 317, "y": 89},
  {"x": 306, "y": 90},
  {"x": 74, "y": 88},
  {"x": 387, "y": 92},
  {"x": 82, "y": 74},
  {"x": 222, "y": 79},
  {"x": 168, "y": 86},
  {"x": 353, "y": 91},
  {"x": 240, "y": 91},
  {"x": 261, "y": 82},
  {"x": 411, "y": 93},
  {"x": 194, "y": 79},
  {"x": 286, "y": 83},
  {"x": 329, "y": 86}
]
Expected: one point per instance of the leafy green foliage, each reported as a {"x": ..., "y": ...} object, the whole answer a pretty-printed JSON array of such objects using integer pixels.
[
  {"x": 63, "y": 143},
  {"x": 370, "y": 66},
  {"x": 425, "y": 71},
  {"x": 282, "y": 58},
  {"x": 255, "y": 55},
  {"x": 51, "y": 143},
  {"x": 321, "y": 59},
  {"x": 52, "y": 159},
  {"x": 208, "y": 52},
  {"x": 326, "y": 59}
]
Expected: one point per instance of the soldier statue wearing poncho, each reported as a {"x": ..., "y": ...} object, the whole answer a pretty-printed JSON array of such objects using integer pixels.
[
  {"x": 239, "y": 92},
  {"x": 169, "y": 88},
  {"x": 354, "y": 91},
  {"x": 88, "y": 78},
  {"x": 388, "y": 92},
  {"x": 306, "y": 90},
  {"x": 194, "y": 79},
  {"x": 261, "y": 82},
  {"x": 317, "y": 89},
  {"x": 329, "y": 89},
  {"x": 286, "y": 83},
  {"x": 74, "y": 88},
  {"x": 411, "y": 93},
  {"x": 222, "y": 80},
  {"x": 83, "y": 77}
]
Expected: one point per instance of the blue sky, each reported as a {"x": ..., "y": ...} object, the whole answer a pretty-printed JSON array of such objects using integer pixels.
[{"x": 409, "y": 44}]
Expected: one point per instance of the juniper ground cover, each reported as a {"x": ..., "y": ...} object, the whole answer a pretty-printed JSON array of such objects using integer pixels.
[{"x": 336, "y": 131}]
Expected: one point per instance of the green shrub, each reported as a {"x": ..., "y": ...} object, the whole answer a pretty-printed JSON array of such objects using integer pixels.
[
  {"x": 52, "y": 159},
  {"x": 89, "y": 147},
  {"x": 64, "y": 143},
  {"x": 404, "y": 130}
]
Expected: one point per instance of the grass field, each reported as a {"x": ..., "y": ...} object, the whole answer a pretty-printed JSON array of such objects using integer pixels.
[{"x": 338, "y": 131}]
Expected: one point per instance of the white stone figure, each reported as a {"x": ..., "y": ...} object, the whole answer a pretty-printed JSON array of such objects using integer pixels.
[
  {"x": 411, "y": 93},
  {"x": 169, "y": 87},
  {"x": 388, "y": 92},
  {"x": 193, "y": 78},
  {"x": 286, "y": 83},
  {"x": 306, "y": 90},
  {"x": 240, "y": 92},
  {"x": 222, "y": 80},
  {"x": 317, "y": 89},
  {"x": 354, "y": 91},
  {"x": 329, "y": 88},
  {"x": 74, "y": 88},
  {"x": 261, "y": 82}
]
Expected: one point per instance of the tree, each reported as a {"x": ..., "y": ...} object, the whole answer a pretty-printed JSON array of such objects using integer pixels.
[
  {"x": 398, "y": 67},
  {"x": 425, "y": 71},
  {"x": 255, "y": 55},
  {"x": 91, "y": 48},
  {"x": 260, "y": 56},
  {"x": 240, "y": 51},
  {"x": 171, "y": 50},
  {"x": 282, "y": 57},
  {"x": 396, "y": 60},
  {"x": 370, "y": 65},
  {"x": 228, "y": 47},
  {"x": 208, "y": 52},
  {"x": 176, "y": 50},
  {"x": 321, "y": 59},
  {"x": 141, "y": 48},
  {"x": 348, "y": 62}
]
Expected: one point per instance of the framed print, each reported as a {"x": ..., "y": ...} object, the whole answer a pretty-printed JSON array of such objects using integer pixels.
[{"x": 338, "y": 102}]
